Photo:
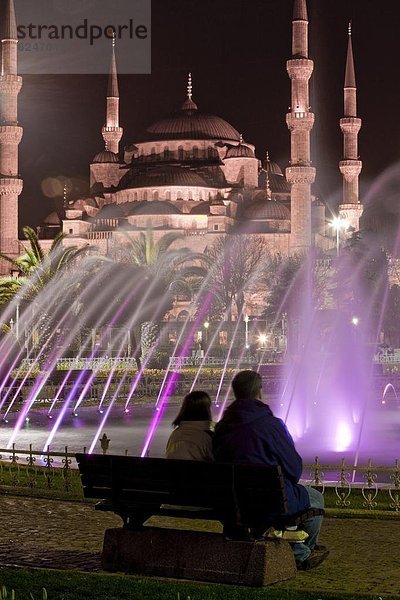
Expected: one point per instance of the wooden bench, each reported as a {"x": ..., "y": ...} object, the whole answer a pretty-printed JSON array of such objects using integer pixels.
[{"x": 245, "y": 498}]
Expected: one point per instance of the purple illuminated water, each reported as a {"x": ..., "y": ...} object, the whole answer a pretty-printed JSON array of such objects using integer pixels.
[{"x": 332, "y": 401}]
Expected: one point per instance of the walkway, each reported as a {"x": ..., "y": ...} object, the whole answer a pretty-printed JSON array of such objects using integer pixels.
[{"x": 365, "y": 553}]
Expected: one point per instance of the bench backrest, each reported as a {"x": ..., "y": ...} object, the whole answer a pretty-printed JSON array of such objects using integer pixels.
[{"x": 149, "y": 482}]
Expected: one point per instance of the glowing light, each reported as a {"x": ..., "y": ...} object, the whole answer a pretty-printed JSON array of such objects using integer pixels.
[
  {"x": 343, "y": 437},
  {"x": 339, "y": 223},
  {"x": 355, "y": 321},
  {"x": 262, "y": 338},
  {"x": 206, "y": 325}
]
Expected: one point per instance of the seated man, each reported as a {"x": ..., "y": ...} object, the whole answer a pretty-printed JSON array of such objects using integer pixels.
[{"x": 249, "y": 433}]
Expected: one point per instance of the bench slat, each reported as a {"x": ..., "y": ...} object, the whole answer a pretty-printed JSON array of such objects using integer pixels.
[{"x": 137, "y": 486}]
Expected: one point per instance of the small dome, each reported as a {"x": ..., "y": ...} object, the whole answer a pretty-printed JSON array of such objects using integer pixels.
[
  {"x": 105, "y": 156},
  {"x": 240, "y": 151},
  {"x": 267, "y": 210},
  {"x": 273, "y": 167},
  {"x": 110, "y": 211},
  {"x": 201, "y": 209},
  {"x": 52, "y": 219}
]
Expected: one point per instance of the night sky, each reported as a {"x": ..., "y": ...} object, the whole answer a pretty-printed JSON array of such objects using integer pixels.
[{"x": 236, "y": 50}]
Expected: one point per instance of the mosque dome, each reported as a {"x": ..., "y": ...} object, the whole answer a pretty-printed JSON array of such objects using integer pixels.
[
  {"x": 240, "y": 151},
  {"x": 191, "y": 124},
  {"x": 52, "y": 219},
  {"x": 106, "y": 156},
  {"x": 202, "y": 208},
  {"x": 272, "y": 167},
  {"x": 154, "y": 207},
  {"x": 171, "y": 176},
  {"x": 267, "y": 210}
]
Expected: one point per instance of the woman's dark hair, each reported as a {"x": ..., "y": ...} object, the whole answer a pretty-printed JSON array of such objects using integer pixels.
[{"x": 196, "y": 406}]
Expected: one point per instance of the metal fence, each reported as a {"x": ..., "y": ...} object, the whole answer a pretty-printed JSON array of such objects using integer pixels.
[{"x": 368, "y": 487}]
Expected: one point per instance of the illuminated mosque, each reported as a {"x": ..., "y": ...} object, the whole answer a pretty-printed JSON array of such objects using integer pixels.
[{"x": 191, "y": 173}]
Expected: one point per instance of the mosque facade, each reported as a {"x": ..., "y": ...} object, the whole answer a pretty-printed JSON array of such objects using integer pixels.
[{"x": 191, "y": 173}]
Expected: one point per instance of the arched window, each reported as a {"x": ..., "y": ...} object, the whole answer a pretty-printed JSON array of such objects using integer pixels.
[
  {"x": 166, "y": 153},
  {"x": 155, "y": 195},
  {"x": 145, "y": 195},
  {"x": 180, "y": 153},
  {"x": 168, "y": 195},
  {"x": 200, "y": 195},
  {"x": 135, "y": 196},
  {"x": 195, "y": 152},
  {"x": 190, "y": 194},
  {"x": 179, "y": 194}
]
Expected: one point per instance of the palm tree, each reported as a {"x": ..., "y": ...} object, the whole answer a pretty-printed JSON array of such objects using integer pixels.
[
  {"x": 36, "y": 270},
  {"x": 36, "y": 267},
  {"x": 180, "y": 270}
]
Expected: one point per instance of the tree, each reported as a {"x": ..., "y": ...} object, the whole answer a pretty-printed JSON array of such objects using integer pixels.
[
  {"x": 37, "y": 268},
  {"x": 362, "y": 282},
  {"x": 391, "y": 324},
  {"x": 179, "y": 268},
  {"x": 178, "y": 271},
  {"x": 238, "y": 264}
]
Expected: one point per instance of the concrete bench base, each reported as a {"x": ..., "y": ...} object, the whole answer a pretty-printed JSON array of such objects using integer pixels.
[{"x": 197, "y": 555}]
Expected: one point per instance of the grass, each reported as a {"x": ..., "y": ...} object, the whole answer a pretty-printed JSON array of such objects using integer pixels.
[{"x": 61, "y": 585}]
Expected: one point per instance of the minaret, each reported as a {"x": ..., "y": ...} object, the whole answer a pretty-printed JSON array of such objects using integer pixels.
[
  {"x": 350, "y": 167},
  {"x": 112, "y": 132},
  {"x": 267, "y": 182},
  {"x": 10, "y": 136},
  {"x": 300, "y": 121}
]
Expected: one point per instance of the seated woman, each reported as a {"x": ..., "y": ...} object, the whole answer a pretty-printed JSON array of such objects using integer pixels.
[{"x": 193, "y": 433}]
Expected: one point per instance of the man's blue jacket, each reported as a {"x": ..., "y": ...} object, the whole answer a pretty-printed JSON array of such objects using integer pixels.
[{"x": 249, "y": 433}]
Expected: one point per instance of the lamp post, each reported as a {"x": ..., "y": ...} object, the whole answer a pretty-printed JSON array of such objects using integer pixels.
[
  {"x": 17, "y": 321},
  {"x": 246, "y": 320},
  {"x": 338, "y": 223},
  {"x": 206, "y": 326}
]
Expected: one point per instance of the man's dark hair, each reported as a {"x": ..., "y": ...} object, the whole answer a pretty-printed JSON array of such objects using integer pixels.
[
  {"x": 247, "y": 384},
  {"x": 196, "y": 406}
]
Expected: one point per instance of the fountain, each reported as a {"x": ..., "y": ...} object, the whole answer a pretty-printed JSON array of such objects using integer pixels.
[{"x": 328, "y": 397}]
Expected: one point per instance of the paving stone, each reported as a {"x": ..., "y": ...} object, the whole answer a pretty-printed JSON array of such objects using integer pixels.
[{"x": 365, "y": 553}]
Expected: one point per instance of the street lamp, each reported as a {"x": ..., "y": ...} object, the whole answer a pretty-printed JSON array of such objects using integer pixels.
[
  {"x": 206, "y": 326},
  {"x": 246, "y": 320},
  {"x": 262, "y": 338},
  {"x": 338, "y": 223}
]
